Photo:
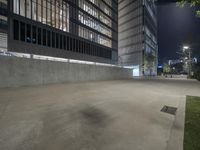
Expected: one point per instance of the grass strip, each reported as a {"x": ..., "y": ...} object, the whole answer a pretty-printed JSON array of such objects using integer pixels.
[{"x": 192, "y": 124}]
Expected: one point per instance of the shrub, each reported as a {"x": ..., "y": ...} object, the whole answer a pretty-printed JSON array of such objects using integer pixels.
[{"x": 197, "y": 74}]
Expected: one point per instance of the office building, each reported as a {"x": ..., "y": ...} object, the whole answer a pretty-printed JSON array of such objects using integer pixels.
[
  {"x": 138, "y": 36},
  {"x": 75, "y": 29}
]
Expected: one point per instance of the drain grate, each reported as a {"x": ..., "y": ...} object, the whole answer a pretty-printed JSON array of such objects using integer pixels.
[{"x": 169, "y": 110}]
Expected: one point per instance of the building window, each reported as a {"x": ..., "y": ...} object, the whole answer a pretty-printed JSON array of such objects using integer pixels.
[
  {"x": 103, "y": 6},
  {"x": 77, "y": 46},
  {"x": 109, "y": 2},
  {"x": 49, "y": 12},
  {"x": 64, "y": 42},
  {"x": 74, "y": 45},
  {"x": 44, "y": 11},
  {"x": 48, "y": 38},
  {"x": 87, "y": 34},
  {"x": 68, "y": 43},
  {"x": 34, "y": 35},
  {"x": 92, "y": 23},
  {"x": 16, "y": 30},
  {"x": 22, "y": 31},
  {"x": 28, "y": 33},
  {"x": 83, "y": 4},
  {"x": 39, "y": 11},
  {"x": 57, "y": 15},
  {"x": 61, "y": 42},
  {"x": 53, "y": 39},
  {"x": 54, "y": 13},
  {"x": 16, "y": 6},
  {"x": 44, "y": 37},
  {"x": 22, "y": 7},
  {"x": 34, "y": 9},
  {"x": 65, "y": 16},
  {"x": 28, "y": 8},
  {"x": 39, "y": 36},
  {"x": 57, "y": 40}
]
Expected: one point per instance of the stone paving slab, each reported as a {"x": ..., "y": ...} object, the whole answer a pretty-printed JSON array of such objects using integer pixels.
[{"x": 110, "y": 115}]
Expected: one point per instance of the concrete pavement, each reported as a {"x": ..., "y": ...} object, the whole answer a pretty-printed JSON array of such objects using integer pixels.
[{"x": 110, "y": 115}]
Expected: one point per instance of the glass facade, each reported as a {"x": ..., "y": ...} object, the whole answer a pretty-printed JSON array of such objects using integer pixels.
[
  {"x": 92, "y": 23},
  {"x": 54, "y": 13},
  {"x": 103, "y": 6},
  {"x": 89, "y": 8},
  {"x": 65, "y": 28},
  {"x": 87, "y": 34},
  {"x": 138, "y": 35},
  {"x": 97, "y": 20},
  {"x": 3, "y": 15},
  {"x": 32, "y": 34}
]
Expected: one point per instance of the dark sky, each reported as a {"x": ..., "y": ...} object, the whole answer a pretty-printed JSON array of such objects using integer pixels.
[{"x": 176, "y": 27}]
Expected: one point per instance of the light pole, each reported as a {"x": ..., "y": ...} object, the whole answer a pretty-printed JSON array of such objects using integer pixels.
[{"x": 187, "y": 51}]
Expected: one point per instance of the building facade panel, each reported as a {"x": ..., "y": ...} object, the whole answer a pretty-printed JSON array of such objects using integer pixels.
[
  {"x": 138, "y": 36},
  {"x": 82, "y": 29}
]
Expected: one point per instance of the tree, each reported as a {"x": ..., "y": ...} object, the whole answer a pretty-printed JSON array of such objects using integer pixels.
[
  {"x": 197, "y": 71},
  {"x": 149, "y": 62},
  {"x": 177, "y": 68},
  {"x": 182, "y": 3},
  {"x": 166, "y": 68},
  {"x": 192, "y": 3}
]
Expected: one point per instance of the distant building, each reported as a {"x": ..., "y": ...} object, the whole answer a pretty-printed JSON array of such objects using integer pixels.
[
  {"x": 75, "y": 29},
  {"x": 175, "y": 61},
  {"x": 178, "y": 61},
  {"x": 137, "y": 32}
]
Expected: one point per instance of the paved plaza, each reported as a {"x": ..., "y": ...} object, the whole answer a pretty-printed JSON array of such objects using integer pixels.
[{"x": 108, "y": 115}]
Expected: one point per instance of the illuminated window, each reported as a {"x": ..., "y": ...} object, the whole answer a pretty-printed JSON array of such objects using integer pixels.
[
  {"x": 44, "y": 13},
  {"x": 90, "y": 22},
  {"x": 28, "y": 8},
  {"x": 39, "y": 11},
  {"x": 65, "y": 16},
  {"x": 96, "y": 13},
  {"x": 22, "y": 7},
  {"x": 16, "y": 6},
  {"x": 57, "y": 14},
  {"x": 53, "y": 22},
  {"x": 34, "y": 9},
  {"x": 51, "y": 12},
  {"x": 87, "y": 34}
]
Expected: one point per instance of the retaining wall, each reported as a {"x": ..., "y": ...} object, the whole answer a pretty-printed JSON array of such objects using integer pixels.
[{"x": 15, "y": 71}]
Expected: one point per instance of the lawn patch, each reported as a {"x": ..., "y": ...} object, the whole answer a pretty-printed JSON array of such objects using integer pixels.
[{"x": 192, "y": 124}]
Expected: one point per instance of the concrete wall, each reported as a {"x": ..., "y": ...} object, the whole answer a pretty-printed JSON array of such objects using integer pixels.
[{"x": 16, "y": 71}]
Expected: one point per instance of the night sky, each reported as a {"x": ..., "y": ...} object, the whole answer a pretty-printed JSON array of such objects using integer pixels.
[{"x": 176, "y": 27}]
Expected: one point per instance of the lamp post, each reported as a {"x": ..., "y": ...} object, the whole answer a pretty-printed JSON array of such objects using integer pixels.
[{"x": 186, "y": 50}]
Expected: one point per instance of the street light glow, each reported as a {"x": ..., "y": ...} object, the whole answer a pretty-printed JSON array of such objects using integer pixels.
[{"x": 185, "y": 47}]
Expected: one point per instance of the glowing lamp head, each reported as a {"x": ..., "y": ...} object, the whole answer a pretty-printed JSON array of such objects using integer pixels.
[{"x": 185, "y": 47}]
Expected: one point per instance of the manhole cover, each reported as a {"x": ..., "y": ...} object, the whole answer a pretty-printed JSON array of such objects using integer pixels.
[{"x": 169, "y": 110}]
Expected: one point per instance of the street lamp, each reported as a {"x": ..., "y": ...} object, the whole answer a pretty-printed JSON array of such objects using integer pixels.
[
  {"x": 186, "y": 49},
  {"x": 186, "y": 55}
]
